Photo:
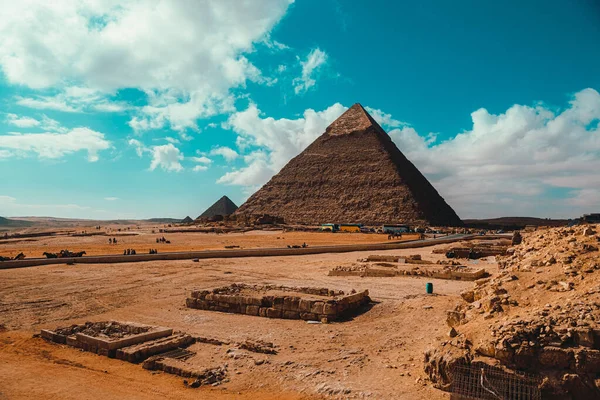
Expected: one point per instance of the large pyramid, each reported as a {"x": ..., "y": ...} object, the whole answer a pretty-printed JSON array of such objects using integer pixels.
[
  {"x": 352, "y": 173},
  {"x": 224, "y": 206}
]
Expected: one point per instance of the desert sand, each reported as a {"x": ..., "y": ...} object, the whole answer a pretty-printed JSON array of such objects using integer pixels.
[{"x": 377, "y": 354}]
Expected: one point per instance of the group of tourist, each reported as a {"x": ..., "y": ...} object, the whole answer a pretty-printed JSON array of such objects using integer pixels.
[
  {"x": 129, "y": 252},
  {"x": 162, "y": 240},
  {"x": 112, "y": 240}
]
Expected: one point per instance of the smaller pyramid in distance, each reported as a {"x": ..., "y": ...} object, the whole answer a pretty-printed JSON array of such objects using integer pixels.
[
  {"x": 224, "y": 206},
  {"x": 187, "y": 220}
]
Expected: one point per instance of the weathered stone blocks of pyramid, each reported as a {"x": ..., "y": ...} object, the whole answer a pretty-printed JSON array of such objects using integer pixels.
[
  {"x": 272, "y": 301},
  {"x": 352, "y": 173}
]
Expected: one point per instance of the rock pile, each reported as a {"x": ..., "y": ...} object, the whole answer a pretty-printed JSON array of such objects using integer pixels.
[{"x": 540, "y": 314}]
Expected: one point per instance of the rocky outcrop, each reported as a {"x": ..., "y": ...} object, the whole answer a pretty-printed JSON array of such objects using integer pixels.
[
  {"x": 540, "y": 314},
  {"x": 353, "y": 173}
]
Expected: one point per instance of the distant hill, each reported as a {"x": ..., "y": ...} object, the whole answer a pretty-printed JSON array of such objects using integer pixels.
[
  {"x": 512, "y": 223},
  {"x": 14, "y": 223},
  {"x": 73, "y": 222}
]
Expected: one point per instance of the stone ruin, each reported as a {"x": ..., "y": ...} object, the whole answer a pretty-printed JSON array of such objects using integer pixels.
[
  {"x": 379, "y": 266},
  {"x": 272, "y": 301},
  {"x": 157, "y": 348},
  {"x": 107, "y": 338},
  {"x": 501, "y": 321}
]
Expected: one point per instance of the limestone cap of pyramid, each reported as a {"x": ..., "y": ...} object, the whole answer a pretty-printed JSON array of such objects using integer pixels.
[{"x": 355, "y": 119}]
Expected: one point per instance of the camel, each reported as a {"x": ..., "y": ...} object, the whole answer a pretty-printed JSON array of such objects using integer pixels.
[
  {"x": 19, "y": 256},
  {"x": 50, "y": 255},
  {"x": 5, "y": 258},
  {"x": 78, "y": 254}
]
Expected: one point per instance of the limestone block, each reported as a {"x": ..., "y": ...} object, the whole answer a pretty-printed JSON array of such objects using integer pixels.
[
  {"x": 278, "y": 302},
  {"x": 72, "y": 341},
  {"x": 262, "y": 311},
  {"x": 190, "y": 302},
  {"x": 291, "y": 303},
  {"x": 305, "y": 305},
  {"x": 468, "y": 296},
  {"x": 584, "y": 337},
  {"x": 252, "y": 301},
  {"x": 308, "y": 316},
  {"x": 587, "y": 361},
  {"x": 329, "y": 308},
  {"x": 252, "y": 310},
  {"x": 317, "y": 307},
  {"x": 524, "y": 357},
  {"x": 555, "y": 357},
  {"x": 291, "y": 315},
  {"x": 274, "y": 313}
]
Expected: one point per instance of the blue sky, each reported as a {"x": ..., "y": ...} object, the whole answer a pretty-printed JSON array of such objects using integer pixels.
[{"x": 140, "y": 109}]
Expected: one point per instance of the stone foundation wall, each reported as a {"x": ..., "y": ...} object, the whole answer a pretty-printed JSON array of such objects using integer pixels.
[{"x": 228, "y": 299}]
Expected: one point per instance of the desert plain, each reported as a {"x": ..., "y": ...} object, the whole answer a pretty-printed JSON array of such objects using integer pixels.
[{"x": 377, "y": 353}]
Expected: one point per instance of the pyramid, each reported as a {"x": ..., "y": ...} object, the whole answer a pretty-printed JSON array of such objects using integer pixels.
[
  {"x": 224, "y": 206},
  {"x": 187, "y": 220},
  {"x": 352, "y": 173}
]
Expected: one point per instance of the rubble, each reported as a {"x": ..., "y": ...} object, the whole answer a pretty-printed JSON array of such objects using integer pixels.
[{"x": 502, "y": 319}]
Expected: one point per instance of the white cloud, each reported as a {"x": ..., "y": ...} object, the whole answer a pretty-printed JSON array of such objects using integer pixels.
[
  {"x": 74, "y": 99},
  {"x": 167, "y": 157},
  {"x": 384, "y": 119},
  {"x": 226, "y": 152},
  {"x": 21, "y": 122},
  {"x": 139, "y": 147},
  {"x": 506, "y": 163},
  {"x": 201, "y": 160},
  {"x": 111, "y": 198},
  {"x": 55, "y": 145},
  {"x": 186, "y": 56},
  {"x": 315, "y": 59},
  {"x": 200, "y": 168},
  {"x": 172, "y": 140},
  {"x": 279, "y": 140}
]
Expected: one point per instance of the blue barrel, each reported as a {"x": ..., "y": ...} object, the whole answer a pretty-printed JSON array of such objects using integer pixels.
[{"x": 429, "y": 287}]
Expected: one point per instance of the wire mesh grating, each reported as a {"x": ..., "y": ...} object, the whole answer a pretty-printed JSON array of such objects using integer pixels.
[{"x": 486, "y": 382}]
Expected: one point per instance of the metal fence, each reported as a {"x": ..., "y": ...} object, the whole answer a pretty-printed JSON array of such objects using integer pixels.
[{"x": 485, "y": 382}]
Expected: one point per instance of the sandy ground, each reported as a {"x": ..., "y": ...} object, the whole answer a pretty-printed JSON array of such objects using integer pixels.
[
  {"x": 378, "y": 354},
  {"x": 143, "y": 239}
]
